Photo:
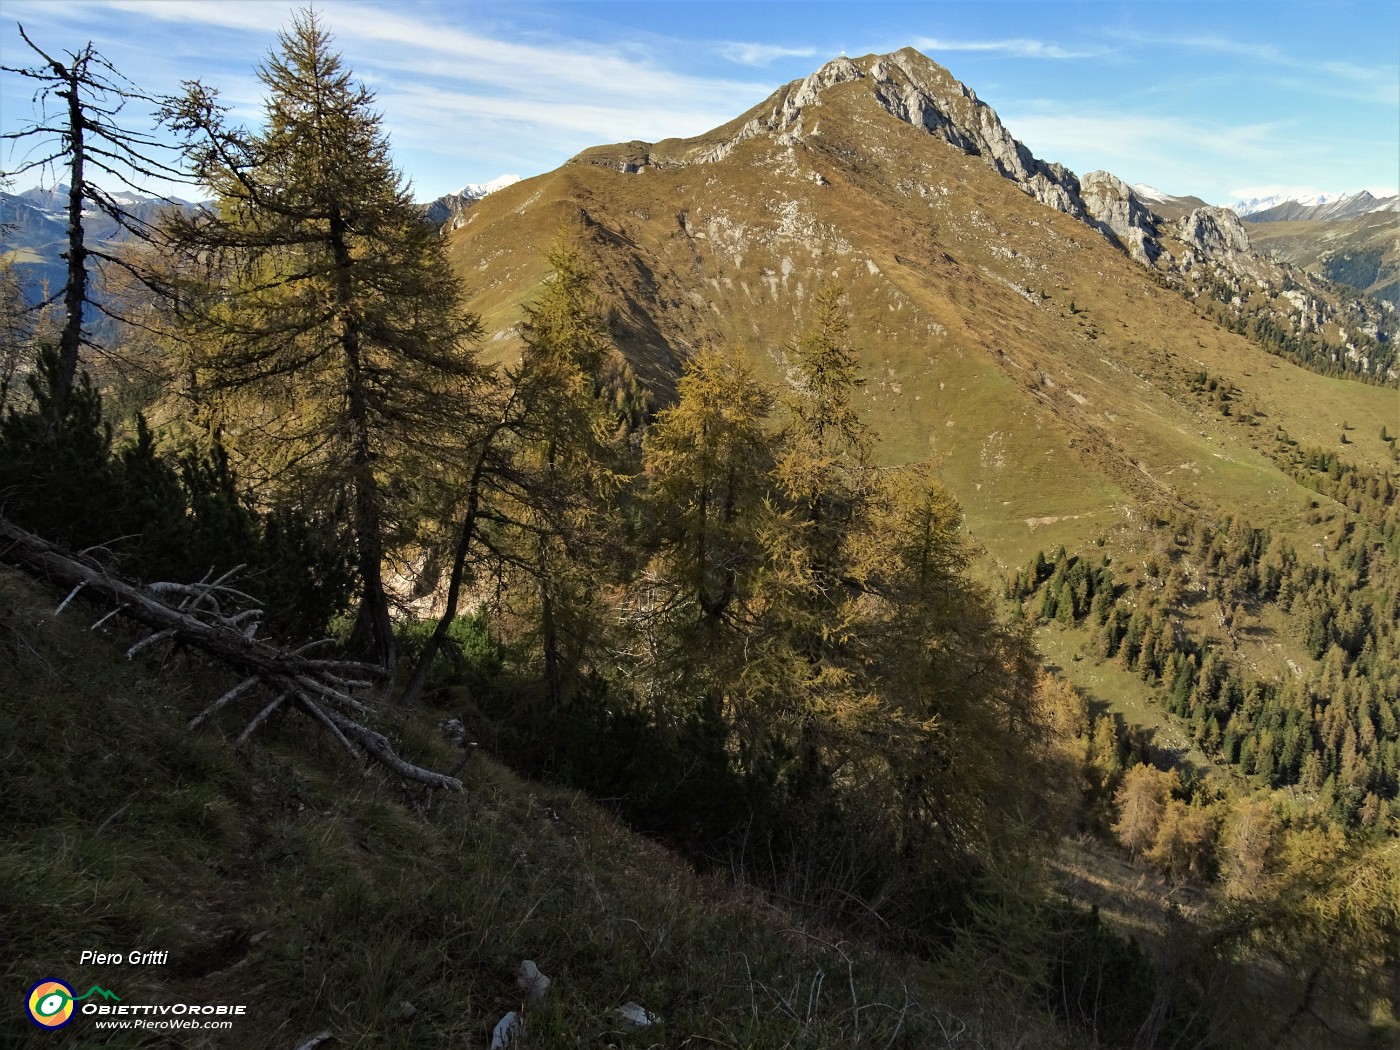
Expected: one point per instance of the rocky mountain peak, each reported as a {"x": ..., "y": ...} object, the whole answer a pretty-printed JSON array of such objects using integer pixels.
[
  {"x": 1214, "y": 230},
  {"x": 808, "y": 90},
  {"x": 921, "y": 92},
  {"x": 913, "y": 88},
  {"x": 1198, "y": 250},
  {"x": 917, "y": 90}
]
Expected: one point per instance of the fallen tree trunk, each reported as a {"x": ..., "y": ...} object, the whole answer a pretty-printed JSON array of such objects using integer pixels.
[{"x": 319, "y": 687}]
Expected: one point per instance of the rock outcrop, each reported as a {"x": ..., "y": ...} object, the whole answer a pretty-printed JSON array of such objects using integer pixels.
[
  {"x": 920, "y": 92},
  {"x": 1217, "y": 237},
  {"x": 1213, "y": 231},
  {"x": 1112, "y": 204},
  {"x": 923, "y": 93}
]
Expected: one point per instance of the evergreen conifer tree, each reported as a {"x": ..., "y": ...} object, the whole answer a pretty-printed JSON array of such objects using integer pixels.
[
  {"x": 558, "y": 516},
  {"x": 331, "y": 327},
  {"x": 708, "y": 466},
  {"x": 708, "y": 460}
]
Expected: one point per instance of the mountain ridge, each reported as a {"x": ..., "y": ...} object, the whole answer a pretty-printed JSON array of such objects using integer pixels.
[{"x": 1202, "y": 251}]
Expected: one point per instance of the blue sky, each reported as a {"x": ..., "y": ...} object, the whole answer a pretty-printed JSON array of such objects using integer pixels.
[{"x": 1220, "y": 100}]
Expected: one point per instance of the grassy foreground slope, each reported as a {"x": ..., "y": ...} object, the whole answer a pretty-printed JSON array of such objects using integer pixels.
[{"x": 328, "y": 899}]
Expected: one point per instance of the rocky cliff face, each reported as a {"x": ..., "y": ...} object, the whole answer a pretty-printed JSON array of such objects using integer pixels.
[
  {"x": 1215, "y": 260},
  {"x": 922, "y": 93}
]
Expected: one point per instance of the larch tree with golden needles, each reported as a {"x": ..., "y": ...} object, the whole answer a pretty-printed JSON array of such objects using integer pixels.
[
  {"x": 1141, "y": 804},
  {"x": 707, "y": 462},
  {"x": 556, "y": 523},
  {"x": 958, "y": 684},
  {"x": 330, "y": 327},
  {"x": 800, "y": 681}
]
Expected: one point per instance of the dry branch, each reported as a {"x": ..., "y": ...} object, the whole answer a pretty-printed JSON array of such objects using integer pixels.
[{"x": 314, "y": 685}]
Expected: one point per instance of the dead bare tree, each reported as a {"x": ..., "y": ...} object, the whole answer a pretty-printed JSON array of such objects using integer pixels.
[
  {"x": 87, "y": 137},
  {"x": 213, "y": 617}
]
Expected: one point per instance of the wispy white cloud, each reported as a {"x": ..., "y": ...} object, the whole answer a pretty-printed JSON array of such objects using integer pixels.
[
  {"x": 1017, "y": 47},
  {"x": 254, "y": 15},
  {"x": 467, "y": 86},
  {"x": 1130, "y": 134},
  {"x": 377, "y": 32},
  {"x": 379, "y": 37},
  {"x": 1203, "y": 43},
  {"x": 761, "y": 54},
  {"x": 1330, "y": 78},
  {"x": 1377, "y": 76},
  {"x": 608, "y": 70},
  {"x": 452, "y": 89},
  {"x": 466, "y": 96},
  {"x": 446, "y": 114}
]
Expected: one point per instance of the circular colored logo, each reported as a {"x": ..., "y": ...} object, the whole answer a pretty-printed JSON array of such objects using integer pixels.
[{"x": 51, "y": 1003}]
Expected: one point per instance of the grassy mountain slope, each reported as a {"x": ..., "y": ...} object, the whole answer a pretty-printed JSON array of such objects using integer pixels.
[
  {"x": 1068, "y": 395},
  {"x": 1057, "y": 384},
  {"x": 1039, "y": 364},
  {"x": 327, "y": 898}
]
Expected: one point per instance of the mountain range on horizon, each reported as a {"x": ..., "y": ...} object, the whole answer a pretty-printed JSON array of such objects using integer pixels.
[
  {"x": 49, "y": 202},
  {"x": 1134, "y": 218},
  {"x": 1182, "y": 237},
  {"x": 955, "y": 245},
  {"x": 1305, "y": 206},
  {"x": 1295, "y": 205},
  {"x": 33, "y": 221}
]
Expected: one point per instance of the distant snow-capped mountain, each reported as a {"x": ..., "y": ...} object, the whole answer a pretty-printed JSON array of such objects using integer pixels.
[
  {"x": 478, "y": 190},
  {"x": 34, "y": 229},
  {"x": 1151, "y": 194},
  {"x": 1165, "y": 204},
  {"x": 449, "y": 207},
  {"x": 1250, "y": 205},
  {"x": 1284, "y": 207}
]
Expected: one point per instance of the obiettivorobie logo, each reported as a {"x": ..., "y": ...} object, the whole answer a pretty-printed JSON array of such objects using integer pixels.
[{"x": 51, "y": 1002}]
